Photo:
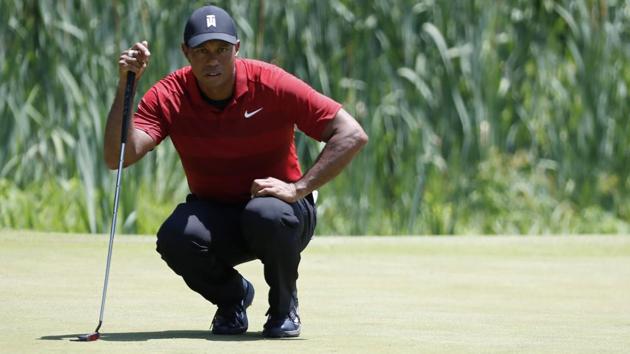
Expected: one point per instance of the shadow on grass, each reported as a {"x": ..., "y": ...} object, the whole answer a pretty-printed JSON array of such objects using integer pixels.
[{"x": 182, "y": 334}]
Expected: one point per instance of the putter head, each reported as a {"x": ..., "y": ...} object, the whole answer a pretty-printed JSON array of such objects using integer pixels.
[{"x": 89, "y": 337}]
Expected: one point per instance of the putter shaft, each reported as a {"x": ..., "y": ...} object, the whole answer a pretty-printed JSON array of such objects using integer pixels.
[{"x": 131, "y": 76}]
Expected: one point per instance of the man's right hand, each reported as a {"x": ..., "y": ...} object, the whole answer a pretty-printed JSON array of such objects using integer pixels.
[{"x": 134, "y": 59}]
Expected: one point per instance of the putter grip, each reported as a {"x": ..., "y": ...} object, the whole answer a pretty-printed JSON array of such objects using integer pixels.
[{"x": 131, "y": 78}]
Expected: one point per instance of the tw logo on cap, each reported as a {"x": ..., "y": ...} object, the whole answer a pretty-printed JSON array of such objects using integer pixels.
[{"x": 211, "y": 21}]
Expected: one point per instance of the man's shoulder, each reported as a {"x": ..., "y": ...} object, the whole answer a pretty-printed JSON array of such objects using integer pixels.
[
  {"x": 258, "y": 65},
  {"x": 260, "y": 72},
  {"x": 174, "y": 83},
  {"x": 170, "y": 91}
]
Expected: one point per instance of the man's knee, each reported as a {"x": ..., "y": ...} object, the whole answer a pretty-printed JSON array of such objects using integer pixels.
[
  {"x": 180, "y": 236},
  {"x": 269, "y": 217}
]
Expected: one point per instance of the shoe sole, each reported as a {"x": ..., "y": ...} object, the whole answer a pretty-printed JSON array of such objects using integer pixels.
[
  {"x": 281, "y": 334},
  {"x": 232, "y": 332}
]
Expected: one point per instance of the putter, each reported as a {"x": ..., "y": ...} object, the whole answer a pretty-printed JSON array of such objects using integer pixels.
[{"x": 131, "y": 77}]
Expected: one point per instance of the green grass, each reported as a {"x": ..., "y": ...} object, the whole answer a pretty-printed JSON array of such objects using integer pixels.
[{"x": 357, "y": 295}]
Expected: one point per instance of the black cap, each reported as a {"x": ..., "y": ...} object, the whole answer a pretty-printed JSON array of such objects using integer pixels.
[{"x": 209, "y": 22}]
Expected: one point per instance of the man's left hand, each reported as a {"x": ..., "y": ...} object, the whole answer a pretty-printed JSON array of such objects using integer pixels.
[{"x": 275, "y": 188}]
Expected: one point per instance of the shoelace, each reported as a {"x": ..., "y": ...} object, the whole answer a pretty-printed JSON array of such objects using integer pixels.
[
  {"x": 231, "y": 313},
  {"x": 279, "y": 319}
]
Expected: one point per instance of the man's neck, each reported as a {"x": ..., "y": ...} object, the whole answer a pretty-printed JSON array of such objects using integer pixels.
[
  {"x": 222, "y": 103},
  {"x": 216, "y": 95}
]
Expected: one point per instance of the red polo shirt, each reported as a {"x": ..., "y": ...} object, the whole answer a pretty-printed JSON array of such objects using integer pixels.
[{"x": 223, "y": 151}]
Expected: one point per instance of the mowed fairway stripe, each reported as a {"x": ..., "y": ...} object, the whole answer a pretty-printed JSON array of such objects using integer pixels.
[{"x": 357, "y": 295}]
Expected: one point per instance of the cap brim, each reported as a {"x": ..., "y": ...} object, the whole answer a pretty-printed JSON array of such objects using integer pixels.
[{"x": 204, "y": 37}]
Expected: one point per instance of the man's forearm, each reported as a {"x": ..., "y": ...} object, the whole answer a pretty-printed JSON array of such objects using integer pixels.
[
  {"x": 113, "y": 126},
  {"x": 337, "y": 154},
  {"x": 344, "y": 138}
]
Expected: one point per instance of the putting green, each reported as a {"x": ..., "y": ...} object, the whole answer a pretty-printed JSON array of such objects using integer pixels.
[{"x": 357, "y": 295}]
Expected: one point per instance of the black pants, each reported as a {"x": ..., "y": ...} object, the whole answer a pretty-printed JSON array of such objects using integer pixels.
[{"x": 203, "y": 240}]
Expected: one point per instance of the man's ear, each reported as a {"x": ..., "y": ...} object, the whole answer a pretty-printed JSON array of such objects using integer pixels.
[
  {"x": 237, "y": 46},
  {"x": 185, "y": 50}
]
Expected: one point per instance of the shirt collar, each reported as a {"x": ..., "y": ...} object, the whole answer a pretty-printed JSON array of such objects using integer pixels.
[{"x": 240, "y": 84}]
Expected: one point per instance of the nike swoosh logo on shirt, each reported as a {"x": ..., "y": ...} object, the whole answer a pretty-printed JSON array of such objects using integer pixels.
[{"x": 250, "y": 114}]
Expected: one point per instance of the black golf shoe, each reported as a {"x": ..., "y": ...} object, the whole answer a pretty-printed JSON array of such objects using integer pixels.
[
  {"x": 232, "y": 319},
  {"x": 287, "y": 325}
]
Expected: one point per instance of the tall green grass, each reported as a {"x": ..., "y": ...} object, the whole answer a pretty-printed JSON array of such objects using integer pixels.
[{"x": 484, "y": 117}]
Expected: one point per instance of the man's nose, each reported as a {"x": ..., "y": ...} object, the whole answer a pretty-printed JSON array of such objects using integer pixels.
[{"x": 212, "y": 59}]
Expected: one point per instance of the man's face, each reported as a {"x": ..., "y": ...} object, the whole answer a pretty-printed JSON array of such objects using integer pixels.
[{"x": 212, "y": 64}]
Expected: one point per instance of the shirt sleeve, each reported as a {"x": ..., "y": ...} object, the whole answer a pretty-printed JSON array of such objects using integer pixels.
[
  {"x": 311, "y": 110},
  {"x": 150, "y": 116}
]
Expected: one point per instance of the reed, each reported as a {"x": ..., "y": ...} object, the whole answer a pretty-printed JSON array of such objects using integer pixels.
[{"x": 484, "y": 117}]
